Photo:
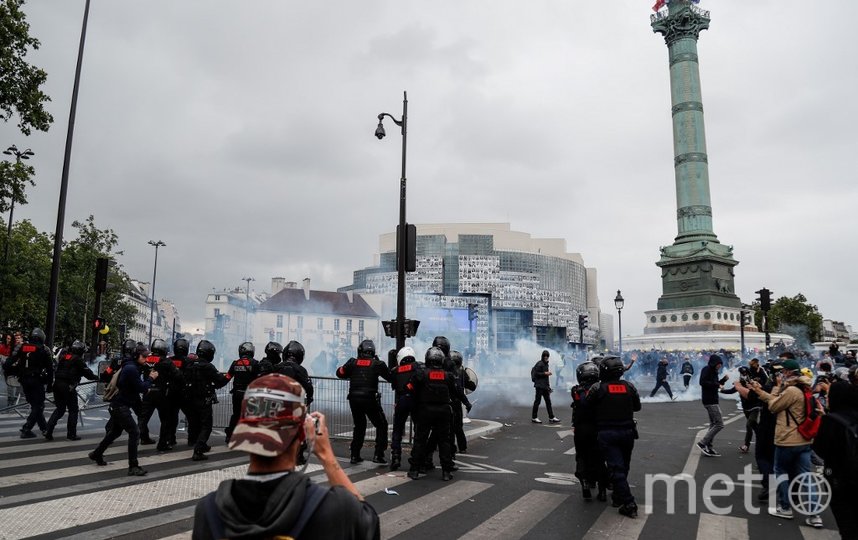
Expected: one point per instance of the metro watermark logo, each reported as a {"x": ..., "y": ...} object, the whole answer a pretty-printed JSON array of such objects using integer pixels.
[{"x": 809, "y": 493}]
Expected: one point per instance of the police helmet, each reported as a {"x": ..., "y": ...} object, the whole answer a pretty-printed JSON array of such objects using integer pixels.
[
  {"x": 295, "y": 351},
  {"x": 273, "y": 350},
  {"x": 366, "y": 349},
  {"x": 159, "y": 348},
  {"x": 77, "y": 348},
  {"x": 206, "y": 350},
  {"x": 434, "y": 357},
  {"x": 37, "y": 336},
  {"x": 181, "y": 347},
  {"x": 405, "y": 352},
  {"x": 457, "y": 358},
  {"x": 611, "y": 368},
  {"x": 442, "y": 343},
  {"x": 129, "y": 346},
  {"x": 587, "y": 373},
  {"x": 246, "y": 350}
]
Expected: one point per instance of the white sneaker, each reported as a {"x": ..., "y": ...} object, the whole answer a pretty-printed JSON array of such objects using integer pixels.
[
  {"x": 785, "y": 513},
  {"x": 814, "y": 521},
  {"x": 536, "y": 420},
  {"x": 554, "y": 420}
]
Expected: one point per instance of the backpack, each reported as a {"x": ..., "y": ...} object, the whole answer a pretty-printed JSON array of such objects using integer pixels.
[
  {"x": 809, "y": 426},
  {"x": 112, "y": 387},
  {"x": 315, "y": 494},
  {"x": 533, "y": 372},
  {"x": 850, "y": 429}
]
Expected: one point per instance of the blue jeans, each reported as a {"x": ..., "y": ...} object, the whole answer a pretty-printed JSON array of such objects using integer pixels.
[{"x": 790, "y": 461}]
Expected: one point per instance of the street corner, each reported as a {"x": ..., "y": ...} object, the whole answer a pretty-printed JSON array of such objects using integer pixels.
[{"x": 481, "y": 429}]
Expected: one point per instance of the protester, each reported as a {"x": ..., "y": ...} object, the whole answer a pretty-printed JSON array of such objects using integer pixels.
[
  {"x": 710, "y": 385},
  {"x": 540, "y": 375}
]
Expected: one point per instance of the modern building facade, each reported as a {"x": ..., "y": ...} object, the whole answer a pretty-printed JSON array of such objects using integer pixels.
[
  {"x": 165, "y": 317},
  {"x": 513, "y": 285}
]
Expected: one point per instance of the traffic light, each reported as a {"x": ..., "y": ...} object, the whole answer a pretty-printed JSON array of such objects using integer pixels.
[
  {"x": 583, "y": 322},
  {"x": 765, "y": 299},
  {"x": 745, "y": 317},
  {"x": 472, "y": 312},
  {"x": 100, "y": 325}
]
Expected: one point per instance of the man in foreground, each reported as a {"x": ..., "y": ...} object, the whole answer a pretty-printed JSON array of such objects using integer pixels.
[{"x": 273, "y": 499}]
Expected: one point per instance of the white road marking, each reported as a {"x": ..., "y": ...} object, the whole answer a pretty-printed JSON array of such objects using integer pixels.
[
  {"x": 529, "y": 462},
  {"x": 570, "y": 452},
  {"x": 809, "y": 533},
  {"x": 481, "y": 468},
  {"x": 716, "y": 527},
  {"x": 611, "y": 525},
  {"x": 402, "y": 518},
  {"x": 518, "y": 518}
]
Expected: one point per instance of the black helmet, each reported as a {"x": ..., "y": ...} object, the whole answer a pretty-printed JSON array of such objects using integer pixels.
[
  {"x": 366, "y": 349},
  {"x": 295, "y": 351},
  {"x": 587, "y": 373},
  {"x": 37, "y": 336},
  {"x": 77, "y": 348},
  {"x": 129, "y": 348},
  {"x": 246, "y": 350},
  {"x": 611, "y": 369},
  {"x": 273, "y": 350},
  {"x": 456, "y": 357},
  {"x": 181, "y": 347},
  {"x": 206, "y": 350},
  {"x": 434, "y": 357},
  {"x": 442, "y": 343},
  {"x": 159, "y": 348}
]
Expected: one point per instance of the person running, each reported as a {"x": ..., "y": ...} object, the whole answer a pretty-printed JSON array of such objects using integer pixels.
[
  {"x": 540, "y": 375},
  {"x": 710, "y": 386},
  {"x": 661, "y": 379}
]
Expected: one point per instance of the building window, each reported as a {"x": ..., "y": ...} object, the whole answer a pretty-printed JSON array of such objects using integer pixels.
[
  {"x": 217, "y": 297},
  {"x": 280, "y": 321},
  {"x": 336, "y": 325},
  {"x": 300, "y": 321},
  {"x": 348, "y": 325},
  {"x": 320, "y": 323},
  {"x": 279, "y": 337},
  {"x": 360, "y": 326},
  {"x": 217, "y": 312}
]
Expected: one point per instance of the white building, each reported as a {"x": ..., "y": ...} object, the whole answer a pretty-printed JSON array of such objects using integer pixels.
[{"x": 162, "y": 316}]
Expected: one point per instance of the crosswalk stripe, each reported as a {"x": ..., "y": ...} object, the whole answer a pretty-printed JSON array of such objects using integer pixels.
[
  {"x": 809, "y": 533},
  {"x": 716, "y": 527},
  {"x": 519, "y": 517},
  {"x": 612, "y": 525},
  {"x": 402, "y": 518},
  {"x": 91, "y": 468},
  {"x": 41, "y": 444}
]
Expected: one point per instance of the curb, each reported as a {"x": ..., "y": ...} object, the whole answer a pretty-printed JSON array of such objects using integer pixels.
[{"x": 490, "y": 427}]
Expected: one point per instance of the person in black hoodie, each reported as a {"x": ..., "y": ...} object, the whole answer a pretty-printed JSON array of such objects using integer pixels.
[
  {"x": 274, "y": 499},
  {"x": 831, "y": 445},
  {"x": 127, "y": 399},
  {"x": 687, "y": 371},
  {"x": 540, "y": 374},
  {"x": 710, "y": 385},
  {"x": 661, "y": 379}
]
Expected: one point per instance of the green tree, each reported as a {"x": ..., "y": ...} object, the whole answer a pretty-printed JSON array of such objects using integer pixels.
[
  {"x": 794, "y": 316},
  {"x": 14, "y": 177},
  {"x": 20, "y": 83},
  {"x": 24, "y": 282}
]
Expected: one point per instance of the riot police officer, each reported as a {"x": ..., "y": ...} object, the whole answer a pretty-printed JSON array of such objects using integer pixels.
[
  {"x": 70, "y": 368},
  {"x": 404, "y": 404},
  {"x": 293, "y": 358},
  {"x": 589, "y": 463},
  {"x": 614, "y": 402},
  {"x": 182, "y": 360},
  {"x": 154, "y": 397},
  {"x": 241, "y": 373},
  {"x": 364, "y": 400},
  {"x": 33, "y": 362},
  {"x": 273, "y": 352},
  {"x": 201, "y": 381},
  {"x": 458, "y": 439},
  {"x": 434, "y": 388},
  {"x": 161, "y": 393}
]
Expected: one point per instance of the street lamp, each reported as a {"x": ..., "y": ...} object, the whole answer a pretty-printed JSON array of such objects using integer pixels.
[
  {"x": 618, "y": 303},
  {"x": 401, "y": 241},
  {"x": 156, "y": 245},
  {"x": 247, "y": 304},
  {"x": 13, "y": 151}
]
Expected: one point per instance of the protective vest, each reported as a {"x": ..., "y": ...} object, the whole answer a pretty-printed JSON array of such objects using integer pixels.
[
  {"x": 242, "y": 372},
  {"x": 70, "y": 367},
  {"x": 581, "y": 412},
  {"x": 616, "y": 406},
  {"x": 289, "y": 368},
  {"x": 197, "y": 383},
  {"x": 167, "y": 375},
  {"x": 402, "y": 376},
  {"x": 363, "y": 381},
  {"x": 435, "y": 390},
  {"x": 33, "y": 360}
]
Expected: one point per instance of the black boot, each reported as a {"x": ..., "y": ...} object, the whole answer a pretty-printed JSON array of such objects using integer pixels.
[
  {"x": 136, "y": 470},
  {"x": 49, "y": 436},
  {"x": 446, "y": 476},
  {"x": 97, "y": 458},
  {"x": 395, "y": 462},
  {"x": 199, "y": 456},
  {"x": 585, "y": 491},
  {"x": 379, "y": 459},
  {"x": 629, "y": 510},
  {"x": 413, "y": 474},
  {"x": 602, "y": 496}
]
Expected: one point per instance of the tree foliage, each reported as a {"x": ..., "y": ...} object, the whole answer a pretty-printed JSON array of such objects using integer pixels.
[
  {"x": 25, "y": 281},
  {"x": 794, "y": 316},
  {"x": 14, "y": 176},
  {"x": 20, "y": 83}
]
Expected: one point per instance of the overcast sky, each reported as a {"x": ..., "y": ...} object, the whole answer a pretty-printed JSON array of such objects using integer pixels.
[{"x": 241, "y": 134}]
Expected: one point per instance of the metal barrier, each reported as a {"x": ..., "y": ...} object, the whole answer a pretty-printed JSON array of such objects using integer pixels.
[
  {"x": 87, "y": 400},
  {"x": 329, "y": 398}
]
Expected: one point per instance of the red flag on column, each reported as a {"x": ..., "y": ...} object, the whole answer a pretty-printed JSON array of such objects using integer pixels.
[{"x": 659, "y": 4}]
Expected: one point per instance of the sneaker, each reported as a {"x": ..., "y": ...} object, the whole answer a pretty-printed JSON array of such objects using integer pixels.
[
  {"x": 413, "y": 474},
  {"x": 713, "y": 452},
  {"x": 554, "y": 420},
  {"x": 380, "y": 460},
  {"x": 536, "y": 420},
  {"x": 705, "y": 450},
  {"x": 785, "y": 513},
  {"x": 27, "y": 434},
  {"x": 99, "y": 460},
  {"x": 355, "y": 460},
  {"x": 137, "y": 471},
  {"x": 814, "y": 521}
]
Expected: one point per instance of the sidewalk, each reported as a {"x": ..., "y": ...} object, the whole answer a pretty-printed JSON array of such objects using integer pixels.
[{"x": 481, "y": 428}]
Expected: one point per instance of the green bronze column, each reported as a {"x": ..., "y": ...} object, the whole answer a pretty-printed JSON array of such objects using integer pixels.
[{"x": 697, "y": 270}]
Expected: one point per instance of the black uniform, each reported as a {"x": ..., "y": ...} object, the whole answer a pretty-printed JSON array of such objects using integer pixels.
[
  {"x": 589, "y": 463},
  {"x": 615, "y": 402},
  {"x": 293, "y": 369},
  {"x": 365, "y": 402},
  {"x": 33, "y": 363},
  {"x": 151, "y": 401},
  {"x": 201, "y": 381},
  {"x": 403, "y": 406},
  {"x": 70, "y": 368},
  {"x": 542, "y": 387},
  {"x": 162, "y": 395},
  {"x": 434, "y": 388},
  {"x": 241, "y": 373}
]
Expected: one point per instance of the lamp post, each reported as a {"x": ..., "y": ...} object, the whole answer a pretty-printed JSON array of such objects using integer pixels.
[
  {"x": 156, "y": 245},
  {"x": 401, "y": 241},
  {"x": 51, "y": 326},
  {"x": 618, "y": 303},
  {"x": 247, "y": 305},
  {"x": 13, "y": 151}
]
